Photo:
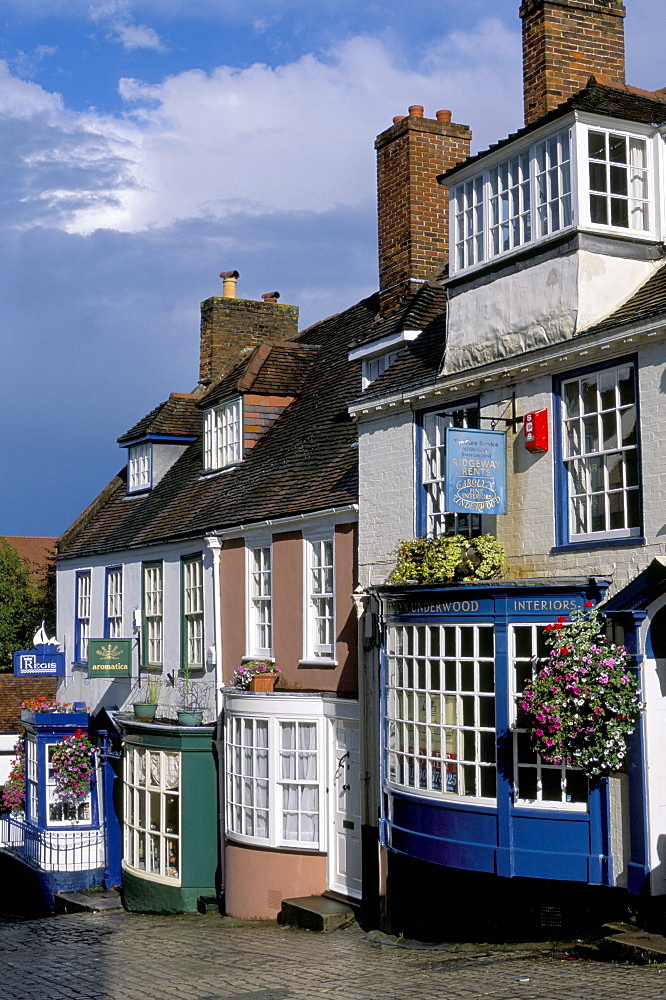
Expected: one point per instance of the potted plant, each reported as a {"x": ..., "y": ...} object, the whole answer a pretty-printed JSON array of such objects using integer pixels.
[
  {"x": 256, "y": 675},
  {"x": 584, "y": 702},
  {"x": 189, "y": 714},
  {"x": 447, "y": 559},
  {"x": 147, "y": 708}
]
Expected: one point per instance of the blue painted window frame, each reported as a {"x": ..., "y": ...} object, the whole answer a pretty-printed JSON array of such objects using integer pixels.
[
  {"x": 107, "y": 620},
  {"x": 77, "y": 621},
  {"x": 421, "y": 504},
  {"x": 563, "y": 542}
]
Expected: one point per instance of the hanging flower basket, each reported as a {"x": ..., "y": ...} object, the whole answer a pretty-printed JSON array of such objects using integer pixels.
[
  {"x": 583, "y": 703},
  {"x": 73, "y": 765}
]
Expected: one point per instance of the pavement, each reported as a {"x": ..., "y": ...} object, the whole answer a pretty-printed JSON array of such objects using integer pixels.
[{"x": 114, "y": 955}]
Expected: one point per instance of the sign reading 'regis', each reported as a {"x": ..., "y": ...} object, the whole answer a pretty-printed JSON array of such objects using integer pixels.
[
  {"x": 43, "y": 662},
  {"x": 475, "y": 471},
  {"x": 109, "y": 657}
]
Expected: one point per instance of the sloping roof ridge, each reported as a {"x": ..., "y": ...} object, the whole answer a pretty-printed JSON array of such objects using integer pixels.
[
  {"x": 255, "y": 363},
  {"x": 609, "y": 84},
  {"x": 90, "y": 512}
]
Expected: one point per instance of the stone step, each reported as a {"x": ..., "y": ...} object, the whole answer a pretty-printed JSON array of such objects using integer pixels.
[
  {"x": 631, "y": 944},
  {"x": 92, "y": 901},
  {"x": 315, "y": 913}
]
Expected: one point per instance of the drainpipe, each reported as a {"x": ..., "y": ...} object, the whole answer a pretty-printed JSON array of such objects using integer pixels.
[{"x": 215, "y": 545}]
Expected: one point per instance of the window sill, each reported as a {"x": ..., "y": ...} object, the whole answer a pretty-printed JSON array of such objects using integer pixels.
[
  {"x": 252, "y": 657},
  {"x": 601, "y": 543},
  {"x": 316, "y": 662}
]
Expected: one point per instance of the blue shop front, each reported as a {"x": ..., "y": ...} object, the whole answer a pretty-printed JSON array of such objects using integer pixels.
[{"x": 462, "y": 788}]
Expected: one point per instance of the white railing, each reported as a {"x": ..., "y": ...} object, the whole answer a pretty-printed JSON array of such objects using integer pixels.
[{"x": 52, "y": 850}]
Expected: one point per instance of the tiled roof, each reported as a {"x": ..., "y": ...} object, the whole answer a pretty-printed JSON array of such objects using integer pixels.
[
  {"x": 599, "y": 97},
  {"x": 176, "y": 417},
  {"x": 13, "y": 691},
  {"x": 36, "y": 551},
  {"x": 306, "y": 462},
  {"x": 272, "y": 369},
  {"x": 649, "y": 300},
  {"x": 416, "y": 313}
]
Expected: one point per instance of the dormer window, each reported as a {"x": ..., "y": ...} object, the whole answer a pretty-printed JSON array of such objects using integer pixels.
[
  {"x": 140, "y": 456},
  {"x": 374, "y": 367},
  {"x": 222, "y": 435},
  {"x": 525, "y": 197}
]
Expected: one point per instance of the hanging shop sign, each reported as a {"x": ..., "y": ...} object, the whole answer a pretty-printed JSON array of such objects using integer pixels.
[
  {"x": 47, "y": 661},
  {"x": 109, "y": 657},
  {"x": 475, "y": 471}
]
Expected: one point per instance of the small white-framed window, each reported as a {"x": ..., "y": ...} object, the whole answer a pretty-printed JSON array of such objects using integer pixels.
[
  {"x": 433, "y": 471},
  {"x": 600, "y": 453},
  {"x": 440, "y": 733},
  {"x": 32, "y": 776},
  {"x": 274, "y": 781},
  {"x": 320, "y": 599},
  {"x": 114, "y": 603},
  {"x": 537, "y": 783},
  {"x": 140, "y": 456},
  {"x": 222, "y": 435},
  {"x": 82, "y": 621},
  {"x": 618, "y": 180},
  {"x": 152, "y": 812},
  {"x": 153, "y": 623},
  {"x": 261, "y": 601},
  {"x": 374, "y": 367},
  {"x": 59, "y": 813},
  {"x": 192, "y": 604}
]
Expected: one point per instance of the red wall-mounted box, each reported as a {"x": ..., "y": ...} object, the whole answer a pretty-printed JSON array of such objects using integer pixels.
[{"x": 535, "y": 426}]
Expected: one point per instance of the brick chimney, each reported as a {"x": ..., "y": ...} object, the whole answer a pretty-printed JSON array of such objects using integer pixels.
[
  {"x": 230, "y": 327},
  {"x": 412, "y": 206},
  {"x": 565, "y": 42}
]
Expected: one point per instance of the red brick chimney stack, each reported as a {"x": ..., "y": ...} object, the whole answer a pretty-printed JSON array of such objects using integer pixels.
[
  {"x": 412, "y": 206},
  {"x": 565, "y": 42}
]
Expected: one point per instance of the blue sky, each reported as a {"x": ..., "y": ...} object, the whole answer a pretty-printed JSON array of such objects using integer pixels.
[{"x": 147, "y": 146}]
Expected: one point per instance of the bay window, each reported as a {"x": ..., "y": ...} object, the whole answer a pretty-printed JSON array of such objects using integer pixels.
[
  {"x": 274, "y": 781},
  {"x": 618, "y": 180},
  {"x": 152, "y": 812}
]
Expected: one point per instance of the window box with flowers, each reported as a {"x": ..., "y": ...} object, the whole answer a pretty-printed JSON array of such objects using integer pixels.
[
  {"x": 50, "y": 712},
  {"x": 583, "y": 703},
  {"x": 256, "y": 675}
]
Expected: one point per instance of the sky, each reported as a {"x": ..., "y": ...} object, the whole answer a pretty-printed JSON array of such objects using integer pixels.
[{"x": 147, "y": 145}]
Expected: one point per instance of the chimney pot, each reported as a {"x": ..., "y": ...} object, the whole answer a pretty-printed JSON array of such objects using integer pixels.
[
  {"x": 399, "y": 118},
  {"x": 229, "y": 279},
  {"x": 270, "y": 296},
  {"x": 416, "y": 111},
  {"x": 443, "y": 116}
]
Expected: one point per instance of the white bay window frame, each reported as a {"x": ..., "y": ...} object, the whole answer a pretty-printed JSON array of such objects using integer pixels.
[{"x": 152, "y": 816}]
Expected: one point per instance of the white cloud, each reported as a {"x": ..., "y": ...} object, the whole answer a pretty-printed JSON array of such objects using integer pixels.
[
  {"x": 22, "y": 99},
  {"x": 297, "y": 137},
  {"x": 117, "y": 17}
]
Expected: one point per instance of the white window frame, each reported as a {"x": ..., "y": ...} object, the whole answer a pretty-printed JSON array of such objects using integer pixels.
[
  {"x": 525, "y": 759},
  {"x": 372, "y": 368},
  {"x": 319, "y": 600},
  {"x": 64, "y": 814},
  {"x": 82, "y": 624},
  {"x": 113, "y": 611},
  {"x": 193, "y": 613},
  {"x": 439, "y": 690},
  {"x": 256, "y": 783},
  {"x": 153, "y": 613},
  {"x": 32, "y": 774},
  {"x": 635, "y": 204},
  {"x": 223, "y": 434},
  {"x": 147, "y": 787},
  {"x": 260, "y": 599},
  {"x": 581, "y": 461},
  {"x": 433, "y": 455},
  {"x": 140, "y": 467}
]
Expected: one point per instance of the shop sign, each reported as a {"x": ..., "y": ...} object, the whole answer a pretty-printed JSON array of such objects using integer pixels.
[
  {"x": 475, "y": 471},
  {"x": 109, "y": 657},
  {"x": 43, "y": 662}
]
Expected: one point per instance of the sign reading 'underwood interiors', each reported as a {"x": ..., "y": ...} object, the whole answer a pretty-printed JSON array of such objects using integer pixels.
[{"x": 475, "y": 471}]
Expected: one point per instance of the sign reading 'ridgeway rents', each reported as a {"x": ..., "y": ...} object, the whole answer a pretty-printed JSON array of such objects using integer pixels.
[
  {"x": 475, "y": 471},
  {"x": 109, "y": 657}
]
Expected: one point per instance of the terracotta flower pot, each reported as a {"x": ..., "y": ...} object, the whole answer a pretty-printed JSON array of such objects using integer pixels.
[{"x": 263, "y": 682}]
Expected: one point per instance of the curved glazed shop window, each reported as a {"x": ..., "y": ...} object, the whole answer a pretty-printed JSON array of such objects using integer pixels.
[
  {"x": 274, "y": 781},
  {"x": 152, "y": 812},
  {"x": 535, "y": 782},
  {"x": 600, "y": 444},
  {"x": 433, "y": 473},
  {"x": 440, "y": 734}
]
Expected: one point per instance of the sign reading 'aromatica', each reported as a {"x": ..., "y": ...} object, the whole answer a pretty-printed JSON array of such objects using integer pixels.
[
  {"x": 475, "y": 471},
  {"x": 109, "y": 657}
]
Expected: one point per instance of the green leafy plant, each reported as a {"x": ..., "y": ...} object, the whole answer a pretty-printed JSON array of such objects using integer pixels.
[
  {"x": 73, "y": 765},
  {"x": 13, "y": 793},
  {"x": 152, "y": 688},
  {"x": 447, "y": 558},
  {"x": 583, "y": 703}
]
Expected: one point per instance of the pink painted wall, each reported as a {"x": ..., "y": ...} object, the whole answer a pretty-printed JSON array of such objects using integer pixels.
[
  {"x": 288, "y": 605},
  {"x": 257, "y": 880},
  {"x": 232, "y": 604}
]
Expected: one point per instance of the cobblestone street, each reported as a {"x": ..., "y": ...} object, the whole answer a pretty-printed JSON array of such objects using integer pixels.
[{"x": 122, "y": 956}]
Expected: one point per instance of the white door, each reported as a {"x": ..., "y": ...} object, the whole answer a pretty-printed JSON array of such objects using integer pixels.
[{"x": 344, "y": 855}]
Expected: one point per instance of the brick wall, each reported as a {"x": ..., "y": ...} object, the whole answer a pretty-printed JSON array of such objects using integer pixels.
[
  {"x": 259, "y": 414},
  {"x": 230, "y": 326},
  {"x": 564, "y": 43},
  {"x": 412, "y": 206}
]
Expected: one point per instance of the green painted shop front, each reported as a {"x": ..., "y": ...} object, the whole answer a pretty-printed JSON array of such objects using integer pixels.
[{"x": 170, "y": 842}]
